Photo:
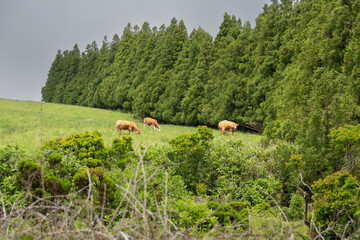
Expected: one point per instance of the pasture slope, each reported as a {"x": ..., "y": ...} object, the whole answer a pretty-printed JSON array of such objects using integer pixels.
[{"x": 29, "y": 124}]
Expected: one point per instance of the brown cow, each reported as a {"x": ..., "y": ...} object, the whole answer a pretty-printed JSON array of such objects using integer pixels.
[
  {"x": 151, "y": 122},
  {"x": 227, "y": 125},
  {"x": 126, "y": 125}
]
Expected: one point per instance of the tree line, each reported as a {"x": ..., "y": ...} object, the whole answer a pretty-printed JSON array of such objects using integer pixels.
[{"x": 294, "y": 75}]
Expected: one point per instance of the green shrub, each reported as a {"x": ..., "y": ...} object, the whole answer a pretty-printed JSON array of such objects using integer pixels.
[
  {"x": 91, "y": 163},
  {"x": 82, "y": 145},
  {"x": 12, "y": 191},
  {"x": 25, "y": 237},
  {"x": 8, "y": 157},
  {"x": 120, "y": 150},
  {"x": 99, "y": 180},
  {"x": 39, "y": 192},
  {"x": 52, "y": 183},
  {"x": 337, "y": 204},
  {"x": 194, "y": 217},
  {"x": 188, "y": 152},
  {"x": 55, "y": 185},
  {"x": 288, "y": 163},
  {"x": 296, "y": 208},
  {"x": 29, "y": 173},
  {"x": 69, "y": 167},
  {"x": 261, "y": 208},
  {"x": 345, "y": 141},
  {"x": 65, "y": 185},
  {"x": 239, "y": 172},
  {"x": 81, "y": 179},
  {"x": 258, "y": 190},
  {"x": 54, "y": 159},
  {"x": 231, "y": 213}
]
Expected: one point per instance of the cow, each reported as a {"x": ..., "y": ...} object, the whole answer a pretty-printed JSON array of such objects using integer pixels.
[
  {"x": 151, "y": 122},
  {"x": 126, "y": 125},
  {"x": 227, "y": 126}
]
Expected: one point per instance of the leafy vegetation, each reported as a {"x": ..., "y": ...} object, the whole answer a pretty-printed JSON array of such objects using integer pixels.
[
  {"x": 294, "y": 77},
  {"x": 120, "y": 184},
  {"x": 193, "y": 187},
  {"x": 336, "y": 202}
]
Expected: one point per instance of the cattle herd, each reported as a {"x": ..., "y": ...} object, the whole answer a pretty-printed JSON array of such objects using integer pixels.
[{"x": 131, "y": 126}]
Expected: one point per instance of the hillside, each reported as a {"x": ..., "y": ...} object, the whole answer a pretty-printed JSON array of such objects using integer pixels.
[
  {"x": 20, "y": 124},
  {"x": 198, "y": 185}
]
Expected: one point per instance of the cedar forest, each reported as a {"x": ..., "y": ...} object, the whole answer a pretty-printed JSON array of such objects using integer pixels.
[{"x": 294, "y": 77}]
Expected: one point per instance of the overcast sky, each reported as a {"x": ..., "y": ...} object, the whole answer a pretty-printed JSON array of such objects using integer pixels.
[{"x": 31, "y": 31}]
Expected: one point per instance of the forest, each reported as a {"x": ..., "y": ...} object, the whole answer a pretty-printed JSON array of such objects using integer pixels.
[{"x": 293, "y": 77}]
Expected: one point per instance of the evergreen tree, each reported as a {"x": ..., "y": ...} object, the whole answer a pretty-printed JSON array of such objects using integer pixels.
[{"x": 53, "y": 79}]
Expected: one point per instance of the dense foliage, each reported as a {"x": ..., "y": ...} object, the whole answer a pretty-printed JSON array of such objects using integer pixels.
[
  {"x": 337, "y": 204},
  {"x": 194, "y": 186},
  {"x": 294, "y": 76},
  {"x": 197, "y": 182}
]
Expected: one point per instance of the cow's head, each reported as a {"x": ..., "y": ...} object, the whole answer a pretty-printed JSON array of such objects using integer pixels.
[
  {"x": 236, "y": 125},
  {"x": 138, "y": 131}
]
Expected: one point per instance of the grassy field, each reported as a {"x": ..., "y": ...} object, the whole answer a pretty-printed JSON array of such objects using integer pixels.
[{"x": 29, "y": 124}]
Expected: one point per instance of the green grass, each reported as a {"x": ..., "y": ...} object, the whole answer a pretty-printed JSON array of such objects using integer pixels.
[{"x": 29, "y": 124}]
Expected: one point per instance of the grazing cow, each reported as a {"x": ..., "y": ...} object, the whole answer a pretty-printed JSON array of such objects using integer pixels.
[
  {"x": 227, "y": 125},
  {"x": 126, "y": 125},
  {"x": 151, "y": 122}
]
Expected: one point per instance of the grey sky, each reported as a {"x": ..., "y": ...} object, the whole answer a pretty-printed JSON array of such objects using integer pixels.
[{"x": 31, "y": 31}]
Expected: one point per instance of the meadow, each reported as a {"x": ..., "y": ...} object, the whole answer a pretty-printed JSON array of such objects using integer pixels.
[
  {"x": 205, "y": 188},
  {"x": 30, "y": 124}
]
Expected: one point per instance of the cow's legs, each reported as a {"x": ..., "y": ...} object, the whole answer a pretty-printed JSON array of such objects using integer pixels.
[{"x": 223, "y": 131}]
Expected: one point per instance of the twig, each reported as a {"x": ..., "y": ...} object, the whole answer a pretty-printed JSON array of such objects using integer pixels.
[
  {"x": 284, "y": 215},
  {"x": 302, "y": 181},
  {"x": 145, "y": 191},
  {"x": 166, "y": 199},
  {"x": 3, "y": 204},
  {"x": 89, "y": 177},
  {"x": 103, "y": 204}
]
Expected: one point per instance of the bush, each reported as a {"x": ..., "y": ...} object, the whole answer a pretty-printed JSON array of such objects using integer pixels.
[
  {"x": 194, "y": 217},
  {"x": 337, "y": 204},
  {"x": 8, "y": 158},
  {"x": 239, "y": 172},
  {"x": 85, "y": 146},
  {"x": 261, "y": 208},
  {"x": 29, "y": 173},
  {"x": 99, "y": 180},
  {"x": 54, "y": 159},
  {"x": 188, "y": 151},
  {"x": 91, "y": 163},
  {"x": 120, "y": 150},
  {"x": 296, "y": 208},
  {"x": 258, "y": 190},
  {"x": 231, "y": 213},
  {"x": 81, "y": 179}
]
